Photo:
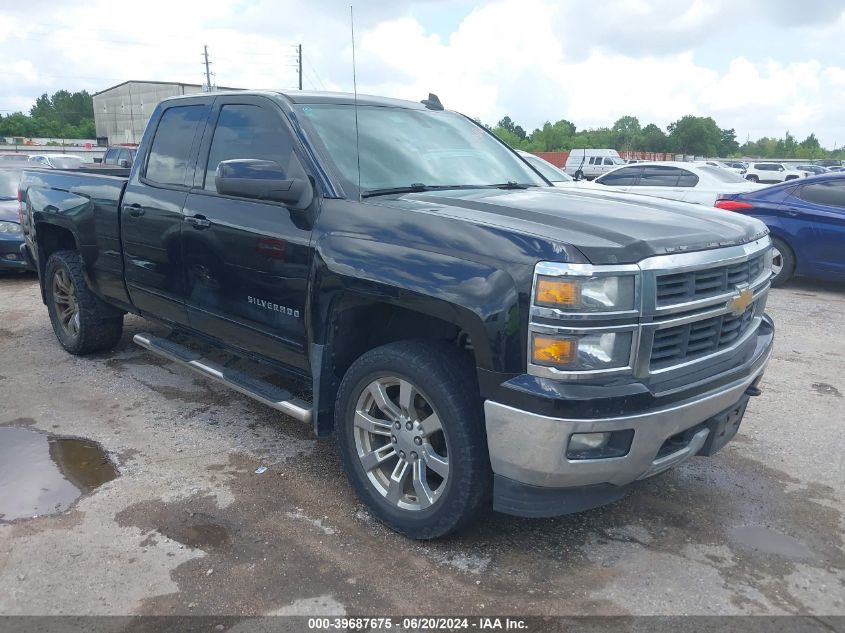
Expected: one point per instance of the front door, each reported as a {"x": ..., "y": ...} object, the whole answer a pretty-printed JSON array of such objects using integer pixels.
[
  {"x": 816, "y": 211},
  {"x": 151, "y": 212},
  {"x": 247, "y": 261}
]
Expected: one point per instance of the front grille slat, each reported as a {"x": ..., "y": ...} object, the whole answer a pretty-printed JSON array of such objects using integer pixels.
[
  {"x": 676, "y": 288},
  {"x": 701, "y": 338}
]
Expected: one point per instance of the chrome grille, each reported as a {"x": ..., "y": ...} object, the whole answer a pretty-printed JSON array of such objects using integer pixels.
[
  {"x": 687, "y": 342},
  {"x": 676, "y": 288}
]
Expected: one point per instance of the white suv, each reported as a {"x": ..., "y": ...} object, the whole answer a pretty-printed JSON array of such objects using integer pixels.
[{"x": 771, "y": 172}]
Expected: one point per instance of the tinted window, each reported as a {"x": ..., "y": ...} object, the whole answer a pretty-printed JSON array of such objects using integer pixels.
[
  {"x": 171, "y": 148},
  {"x": 123, "y": 155},
  {"x": 111, "y": 157},
  {"x": 830, "y": 194},
  {"x": 608, "y": 161},
  {"x": 621, "y": 177},
  {"x": 248, "y": 131},
  {"x": 659, "y": 176}
]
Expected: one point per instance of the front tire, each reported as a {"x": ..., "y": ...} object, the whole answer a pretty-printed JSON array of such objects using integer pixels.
[
  {"x": 82, "y": 321},
  {"x": 752, "y": 178},
  {"x": 411, "y": 436},
  {"x": 783, "y": 262}
]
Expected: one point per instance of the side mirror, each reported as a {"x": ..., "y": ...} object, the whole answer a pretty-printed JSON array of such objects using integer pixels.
[{"x": 261, "y": 180}]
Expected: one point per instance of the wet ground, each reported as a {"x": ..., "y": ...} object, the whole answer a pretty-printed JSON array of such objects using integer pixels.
[
  {"x": 41, "y": 473},
  {"x": 189, "y": 527}
]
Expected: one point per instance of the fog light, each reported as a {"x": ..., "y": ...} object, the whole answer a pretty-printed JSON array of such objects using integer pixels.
[
  {"x": 599, "y": 445},
  {"x": 588, "y": 441}
]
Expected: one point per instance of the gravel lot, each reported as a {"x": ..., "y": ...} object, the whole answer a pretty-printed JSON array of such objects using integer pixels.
[{"x": 189, "y": 527}]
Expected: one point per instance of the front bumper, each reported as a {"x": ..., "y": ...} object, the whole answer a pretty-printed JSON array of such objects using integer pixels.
[
  {"x": 533, "y": 476},
  {"x": 11, "y": 257}
]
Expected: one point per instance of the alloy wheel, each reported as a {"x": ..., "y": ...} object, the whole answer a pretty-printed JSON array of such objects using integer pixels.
[
  {"x": 400, "y": 443},
  {"x": 67, "y": 306},
  {"x": 777, "y": 261}
]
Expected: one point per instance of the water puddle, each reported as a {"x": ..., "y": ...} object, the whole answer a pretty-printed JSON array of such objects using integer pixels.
[
  {"x": 768, "y": 541},
  {"x": 46, "y": 474}
]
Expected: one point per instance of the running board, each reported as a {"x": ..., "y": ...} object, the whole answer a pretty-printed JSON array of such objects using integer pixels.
[{"x": 261, "y": 390}]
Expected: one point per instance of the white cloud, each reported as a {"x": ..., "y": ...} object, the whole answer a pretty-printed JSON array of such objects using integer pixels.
[{"x": 759, "y": 66}]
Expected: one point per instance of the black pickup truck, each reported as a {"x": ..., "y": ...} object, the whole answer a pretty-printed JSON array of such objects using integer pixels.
[{"x": 471, "y": 335}]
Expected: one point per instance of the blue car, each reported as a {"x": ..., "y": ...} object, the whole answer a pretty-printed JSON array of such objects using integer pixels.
[
  {"x": 11, "y": 236},
  {"x": 806, "y": 219}
]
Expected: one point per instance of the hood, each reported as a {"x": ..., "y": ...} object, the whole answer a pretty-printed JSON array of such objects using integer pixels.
[
  {"x": 608, "y": 228},
  {"x": 9, "y": 211}
]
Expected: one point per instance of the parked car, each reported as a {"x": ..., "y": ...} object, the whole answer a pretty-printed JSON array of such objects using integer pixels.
[
  {"x": 555, "y": 175},
  {"x": 722, "y": 165},
  {"x": 471, "y": 335},
  {"x": 11, "y": 235},
  {"x": 57, "y": 161},
  {"x": 119, "y": 156},
  {"x": 807, "y": 223},
  {"x": 772, "y": 172},
  {"x": 828, "y": 162},
  {"x": 737, "y": 164},
  {"x": 836, "y": 168},
  {"x": 13, "y": 157},
  {"x": 590, "y": 163},
  {"x": 690, "y": 182},
  {"x": 813, "y": 169}
]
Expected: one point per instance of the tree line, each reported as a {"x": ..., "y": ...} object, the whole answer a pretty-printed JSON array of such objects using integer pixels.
[
  {"x": 693, "y": 135},
  {"x": 62, "y": 115}
]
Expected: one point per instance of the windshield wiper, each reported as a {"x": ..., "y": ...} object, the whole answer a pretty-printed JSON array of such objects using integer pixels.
[{"x": 510, "y": 184}]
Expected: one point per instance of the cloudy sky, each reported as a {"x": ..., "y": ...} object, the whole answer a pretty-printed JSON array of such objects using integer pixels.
[{"x": 760, "y": 66}]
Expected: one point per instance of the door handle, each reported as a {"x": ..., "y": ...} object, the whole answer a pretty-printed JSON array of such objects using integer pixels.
[
  {"x": 198, "y": 221},
  {"x": 135, "y": 210}
]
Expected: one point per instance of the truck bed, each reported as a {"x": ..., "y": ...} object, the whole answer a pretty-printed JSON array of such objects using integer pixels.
[{"x": 82, "y": 205}]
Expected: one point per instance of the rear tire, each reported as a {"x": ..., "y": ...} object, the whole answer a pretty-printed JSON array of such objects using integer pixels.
[
  {"x": 783, "y": 262},
  {"x": 82, "y": 321},
  {"x": 411, "y": 436}
]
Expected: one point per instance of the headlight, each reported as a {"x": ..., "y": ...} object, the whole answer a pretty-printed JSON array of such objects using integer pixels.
[
  {"x": 582, "y": 352},
  {"x": 10, "y": 227},
  {"x": 589, "y": 293},
  {"x": 768, "y": 260}
]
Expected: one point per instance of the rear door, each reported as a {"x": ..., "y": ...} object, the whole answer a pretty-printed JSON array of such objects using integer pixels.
[
  {"x": 151, "y": 210},
  {"x": 664, "y": 181},
  {"x": 247, "y": 261},
  {"x": 816, "y": 214}
]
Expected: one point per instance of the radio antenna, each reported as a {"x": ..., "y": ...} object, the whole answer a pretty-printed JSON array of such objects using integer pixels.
[{"x": 355, "y": 100}]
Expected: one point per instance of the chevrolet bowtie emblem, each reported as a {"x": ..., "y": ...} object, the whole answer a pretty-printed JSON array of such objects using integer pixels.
[{"x": 739, "y": 303}]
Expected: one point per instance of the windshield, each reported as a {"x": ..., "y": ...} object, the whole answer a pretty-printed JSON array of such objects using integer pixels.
[
  {"x": 722, "y": 175},
  {"x": 548, "y": 170},
  {"x": 9, "y": 179},
  {"x": 66, "y": 162},
  {"x": 618, "y": 161},
  {"x": 401, "y": 147}
]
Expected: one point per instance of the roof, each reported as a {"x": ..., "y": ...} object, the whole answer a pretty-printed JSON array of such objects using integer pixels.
[
  {"x": 159, "y": 83},
  {"x": 307, "y": 97}
]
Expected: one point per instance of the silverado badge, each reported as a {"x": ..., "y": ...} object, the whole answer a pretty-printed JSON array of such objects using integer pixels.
[{"x": 739, "y": 303}]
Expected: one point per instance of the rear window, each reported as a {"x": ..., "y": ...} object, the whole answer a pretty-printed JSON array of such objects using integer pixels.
[
  {"x": 829, "y": 194},
  {"x": 171, "y": 147},
  {"x": 722, "y": 175},
  {"x": 552, "y": 173}
]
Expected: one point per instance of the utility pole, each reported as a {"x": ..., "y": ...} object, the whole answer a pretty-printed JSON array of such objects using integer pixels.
[
  {"x": 299, "y": 64},
  {"x": 207, "y": 70}
]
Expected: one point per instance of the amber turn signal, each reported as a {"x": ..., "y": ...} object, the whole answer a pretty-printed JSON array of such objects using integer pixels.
[
  {"x": 548, "y": 350},
  {"x": 557, "y": 292}
]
